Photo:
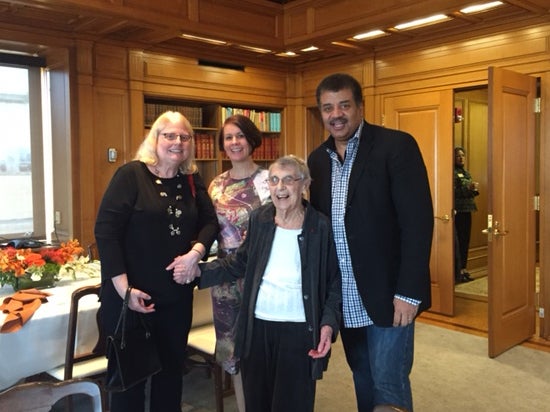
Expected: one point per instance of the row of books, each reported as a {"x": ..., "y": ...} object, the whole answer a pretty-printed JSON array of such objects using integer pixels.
[
  {"x": 154, "y": 110},
  {"x": 205, "y": 146},
  {"x": 265, "y": 121}
]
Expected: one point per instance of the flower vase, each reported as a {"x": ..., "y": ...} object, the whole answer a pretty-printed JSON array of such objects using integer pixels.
[{"x": 25, "y": 282}]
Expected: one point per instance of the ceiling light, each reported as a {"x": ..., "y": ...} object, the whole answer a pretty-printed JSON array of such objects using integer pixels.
[
  {"x": 437, "y": 18},
  {"x": 480, "y": 7},
  {"x": 309, "y": 49},
  {"x": 344, "y": 44},
  {"x": 287, "y": 54},
  {"x": 369, "y": 35},
  {"x": 254, "y": 49},
  {"x": 204, "y": 39}
]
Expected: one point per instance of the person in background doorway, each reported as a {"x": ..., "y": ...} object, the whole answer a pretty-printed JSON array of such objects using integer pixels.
[
  {"x": 373, "y": 183},
  {"x": 465, "y": 190},
  {"x": 235, "y": 193},
  {"x": 155, "y": 213}
]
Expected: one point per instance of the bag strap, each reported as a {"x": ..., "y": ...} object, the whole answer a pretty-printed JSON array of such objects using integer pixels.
[{"x": 121, "y": 324}]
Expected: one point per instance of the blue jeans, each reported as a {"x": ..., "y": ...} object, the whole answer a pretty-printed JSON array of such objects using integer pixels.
[{"x": 381, "y": 360}]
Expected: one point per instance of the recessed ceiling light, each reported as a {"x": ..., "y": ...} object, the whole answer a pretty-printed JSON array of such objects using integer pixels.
[
  {"x": 254, "y": 49},
  {"x": 309, "y": 49},
  {"x": 369, "y": 35},
  {"x": 204, "y": 39},
  {"x": 480, "y": 7},
  {"x": 437, "y": 18},
  {"x": 344, "y": 44},
  {"x": 287, "y": 54}
]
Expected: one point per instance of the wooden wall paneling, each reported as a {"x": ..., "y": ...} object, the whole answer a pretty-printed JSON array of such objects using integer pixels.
[
  {"x": 544, "y": 214},
  {"x": 111, "y": 119},
  {"x": 185, "y": 78},
  {"x": 136, "y": 69},
  {"x": 64, "y": 146},
  {"x": 294, "y": 138},
  {"x": 84, "y": 194},
  {"x": 463, "y": 56}
]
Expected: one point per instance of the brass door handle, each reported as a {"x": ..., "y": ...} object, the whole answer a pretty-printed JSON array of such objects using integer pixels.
[
  {"x": 493, "y": 229},
  {"x": 444, "y": 218},
  {"x": 497, "y": 232}
]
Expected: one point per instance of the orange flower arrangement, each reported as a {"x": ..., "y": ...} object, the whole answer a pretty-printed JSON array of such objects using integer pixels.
[{"x": 17, "y": 263}]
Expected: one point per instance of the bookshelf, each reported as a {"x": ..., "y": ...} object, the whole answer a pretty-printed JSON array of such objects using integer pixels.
[{"x": 207, "y": 118}]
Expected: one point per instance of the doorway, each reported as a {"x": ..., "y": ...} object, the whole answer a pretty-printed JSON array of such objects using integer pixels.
[{"x": 470, "y": 133}]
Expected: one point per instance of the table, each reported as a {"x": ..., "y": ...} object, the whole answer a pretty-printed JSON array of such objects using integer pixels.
[{"x": 40, "y": 344}]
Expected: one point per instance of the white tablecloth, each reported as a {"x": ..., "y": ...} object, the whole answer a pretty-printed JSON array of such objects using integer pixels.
[{"x": 40, "y": 344}]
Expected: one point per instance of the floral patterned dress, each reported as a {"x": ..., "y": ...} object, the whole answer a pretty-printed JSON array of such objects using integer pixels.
[{"x": 233, "y": 200}]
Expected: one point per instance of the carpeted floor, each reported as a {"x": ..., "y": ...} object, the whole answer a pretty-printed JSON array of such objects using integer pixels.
[
  {"x": 476, "y": 288},
  {"x": 452, "y": 373}
]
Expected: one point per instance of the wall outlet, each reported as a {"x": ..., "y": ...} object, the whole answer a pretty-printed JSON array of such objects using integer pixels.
[{"x": 57, "y": 217}]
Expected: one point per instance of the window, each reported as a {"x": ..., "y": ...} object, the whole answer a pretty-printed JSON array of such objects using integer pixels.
[{"x": 22, "y": 172}]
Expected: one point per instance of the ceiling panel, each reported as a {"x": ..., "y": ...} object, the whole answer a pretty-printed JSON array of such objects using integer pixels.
[{"x": 279, "y": 26}]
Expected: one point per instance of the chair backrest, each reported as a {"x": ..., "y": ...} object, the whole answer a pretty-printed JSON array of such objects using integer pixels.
[
  {"x": 41, "y": 396},
  {"x": 202, "y": 307},
  {"x": 92, "y": 252},
  {"x": 100, "y": 347}
]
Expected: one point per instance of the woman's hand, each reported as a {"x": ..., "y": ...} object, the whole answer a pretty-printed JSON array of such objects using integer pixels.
[
  {"x": 325, "y": 341},
  {"x": 139, "y": 301},
  {"x": 186, "y": 267}
]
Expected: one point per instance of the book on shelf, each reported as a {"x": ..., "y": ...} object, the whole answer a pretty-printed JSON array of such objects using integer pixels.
[
  {"x": 204, "y": 146},
  {"x": 265, "y": 121},
  {"x": 154, "y": 110}
]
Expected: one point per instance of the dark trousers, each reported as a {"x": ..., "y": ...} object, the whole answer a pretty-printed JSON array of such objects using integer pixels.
[
  {"x": 463, "y": 228},
  {"x": 277, "y": 372},
  {"x": 170, "y": 327}
]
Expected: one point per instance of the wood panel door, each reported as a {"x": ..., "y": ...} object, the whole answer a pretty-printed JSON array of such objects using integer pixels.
[
  {"x": 511, "y": 215},
  {"x": 428, "y": 117}
]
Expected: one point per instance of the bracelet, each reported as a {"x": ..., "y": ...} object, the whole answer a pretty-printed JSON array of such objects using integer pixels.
[{"x": 195, "y": 250}]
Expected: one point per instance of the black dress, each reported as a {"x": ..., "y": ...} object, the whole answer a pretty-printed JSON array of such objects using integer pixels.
[{"x": 143, "y": 223}]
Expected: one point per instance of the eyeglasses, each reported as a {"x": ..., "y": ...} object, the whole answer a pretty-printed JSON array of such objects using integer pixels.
[
  {"x": 287, "y": 180},
  {"x": 173, "y": 136}
]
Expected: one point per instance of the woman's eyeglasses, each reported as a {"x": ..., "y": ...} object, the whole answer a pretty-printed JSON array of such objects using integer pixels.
[
  {"x": 173, "y": 136},
  {"x": 287, "y": 180}
]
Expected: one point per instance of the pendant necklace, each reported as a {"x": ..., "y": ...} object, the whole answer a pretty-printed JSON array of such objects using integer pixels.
[{"x": 171, "y": 201}]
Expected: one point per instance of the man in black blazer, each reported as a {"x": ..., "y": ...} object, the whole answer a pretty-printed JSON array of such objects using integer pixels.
[{"x": 373, "y": 183}]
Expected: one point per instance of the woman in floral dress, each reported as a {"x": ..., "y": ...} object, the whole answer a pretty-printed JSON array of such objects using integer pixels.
[{"x": 235, "y": 193}]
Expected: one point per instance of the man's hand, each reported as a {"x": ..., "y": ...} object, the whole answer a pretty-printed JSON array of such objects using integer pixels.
[{"x": 404, "y": 312}]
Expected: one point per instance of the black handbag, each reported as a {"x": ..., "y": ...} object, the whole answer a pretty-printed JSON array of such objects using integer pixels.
[{"x": 133, "y": 355}]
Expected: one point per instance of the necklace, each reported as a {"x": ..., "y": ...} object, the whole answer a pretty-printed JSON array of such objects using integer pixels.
[{"x": 171, "y": 193}]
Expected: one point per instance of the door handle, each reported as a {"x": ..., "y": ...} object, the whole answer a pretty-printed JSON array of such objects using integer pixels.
[
  {"x": 493, "y": 230},
  {"x": 497, "y": 232},
  {"x": 444, "y": 218}
]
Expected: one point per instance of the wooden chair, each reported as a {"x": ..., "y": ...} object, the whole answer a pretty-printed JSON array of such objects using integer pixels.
[
  {"x": 93, "y": 364},
  {"x": 202, "y": 343},
  {"x": 82, "y": 365},
  {"x": 93, "y": 254},
  {"x": 41, "y": 396}
]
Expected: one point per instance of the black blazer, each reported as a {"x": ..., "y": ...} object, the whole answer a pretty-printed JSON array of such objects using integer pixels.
[
  {"x": 389, "y": 217},
  {"x": 321, "y": 287}
]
